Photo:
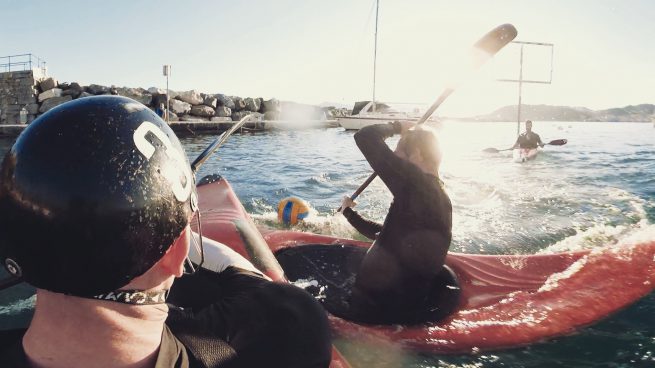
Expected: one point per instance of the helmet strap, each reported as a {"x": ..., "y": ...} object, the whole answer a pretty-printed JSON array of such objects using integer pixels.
[
  {"x": 191, "y": 267},
  {"x": 134, "y": 297}
]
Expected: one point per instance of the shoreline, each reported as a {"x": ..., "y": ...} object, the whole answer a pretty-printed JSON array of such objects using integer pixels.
[{"x": 199, "y": 127}]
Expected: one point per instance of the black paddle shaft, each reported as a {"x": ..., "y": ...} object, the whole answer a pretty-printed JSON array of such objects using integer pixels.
[
  {"x": 217, "y": 143},
  {"x": 490, "y": 44}
]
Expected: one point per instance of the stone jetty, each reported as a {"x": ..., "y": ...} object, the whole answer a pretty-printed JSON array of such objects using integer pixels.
[{"x": 24, "y": 95}]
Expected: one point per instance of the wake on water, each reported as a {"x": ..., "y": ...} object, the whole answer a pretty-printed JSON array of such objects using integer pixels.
[
  {"x": 607, "y": 235},
  {"x": 598, "y": 235}
]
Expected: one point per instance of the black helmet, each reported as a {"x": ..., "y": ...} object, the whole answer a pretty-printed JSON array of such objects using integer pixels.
[{"x": 92, "y": 194}]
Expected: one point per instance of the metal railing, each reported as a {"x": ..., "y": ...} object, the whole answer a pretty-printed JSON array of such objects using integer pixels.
[{"x": 21, "y": 62}]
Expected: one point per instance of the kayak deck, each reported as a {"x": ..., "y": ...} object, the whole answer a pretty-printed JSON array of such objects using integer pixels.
[{"x": 524, "y": 154}]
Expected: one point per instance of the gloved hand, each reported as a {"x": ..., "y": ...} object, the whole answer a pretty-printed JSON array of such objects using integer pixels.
[{"x": 346, "y": 202}]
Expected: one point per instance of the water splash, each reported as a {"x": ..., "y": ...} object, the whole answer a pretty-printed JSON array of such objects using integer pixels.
[
  {"x": 333, "y": 225},
  {"x": 18, "y": 306}
]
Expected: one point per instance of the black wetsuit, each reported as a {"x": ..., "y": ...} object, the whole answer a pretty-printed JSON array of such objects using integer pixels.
[
  {"x": 396, "y": 275},
  {"x": 231, "y": 319},
  {"x": 528, "y": 140},
  {"x": 172, "y": 353}
]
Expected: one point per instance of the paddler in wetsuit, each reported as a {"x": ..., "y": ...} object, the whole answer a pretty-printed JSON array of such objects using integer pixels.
[
  {"x": 528, "y": 139},
  {"x": 96, "y": 200},
  {"x": 409, "y": 249}
]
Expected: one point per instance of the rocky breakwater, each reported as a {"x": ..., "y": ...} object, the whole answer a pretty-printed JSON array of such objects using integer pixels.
[
  {"x": 23, "y": 98},
  {"x": 193, "y": 106},
  {"x": 26, "y": 95}
]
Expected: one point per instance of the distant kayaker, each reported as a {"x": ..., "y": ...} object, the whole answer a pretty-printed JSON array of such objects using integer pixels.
[
  {"x": 528, "y": 139},
  {"x": 96, "y": 200},
  {"x": 399, "y": 270}
]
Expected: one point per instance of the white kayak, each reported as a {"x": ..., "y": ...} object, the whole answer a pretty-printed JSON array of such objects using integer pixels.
[{"x": 525, "y": 154}]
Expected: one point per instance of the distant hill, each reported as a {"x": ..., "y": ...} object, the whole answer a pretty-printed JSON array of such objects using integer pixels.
[{"x": 636, "y": 113}]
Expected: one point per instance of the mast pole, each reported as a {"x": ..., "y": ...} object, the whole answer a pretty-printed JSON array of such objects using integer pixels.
[
  {"x": 518, "y": 110},
  {"x": 375, "y": 52}
]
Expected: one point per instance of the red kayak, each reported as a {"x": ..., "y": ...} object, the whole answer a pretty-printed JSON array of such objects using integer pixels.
[{"x": 505, "y": 301}]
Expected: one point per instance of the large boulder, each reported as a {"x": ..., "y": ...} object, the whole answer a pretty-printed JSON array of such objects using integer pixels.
[
  {"x": 223, "y": 111},
  {"x": 179, "y": 107},
  {"x": 172, "y": 94},
  {"x": 74, "y": 90},
  {"x": 202, "y": 111},
  {"x": 252, "y": 104},
  {"x": 239, "y": 103},
  {"x": 52, "y": 102},
  {"x": 271, "y": 105},
  {"x": 224, "y": 100},
  {"x": 191, "y": 97},
  {"x": 96, "y": 89},
  {"x": 129, "y": 92},
  {"x": 155, "y": 90},
  {"x": 51, "y": 93},
  {"x": 210, "y": 101},
  {"x": 172, "y": 117},
  {"x": 47, "y": 84},
  {"x": 85, "y": 94},
  {"x": 138, "y": 94}
]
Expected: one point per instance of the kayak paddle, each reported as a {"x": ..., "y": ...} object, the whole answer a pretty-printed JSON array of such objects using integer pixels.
[
  {"x": 487, "y": 46},
  {"x": 217, "y": 143},
  {"x": 556, "y": 142},
  {"x": 495, "y": 150}
]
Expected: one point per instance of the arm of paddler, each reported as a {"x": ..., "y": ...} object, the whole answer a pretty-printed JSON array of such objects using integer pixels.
[
  {"x": 393, "y": 170},
  {"x": 218, "y": 257},
  {"x": 366, "y": 227}
]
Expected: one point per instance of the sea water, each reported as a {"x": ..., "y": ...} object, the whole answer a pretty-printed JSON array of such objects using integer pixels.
[{"x": 598, "y": 190}]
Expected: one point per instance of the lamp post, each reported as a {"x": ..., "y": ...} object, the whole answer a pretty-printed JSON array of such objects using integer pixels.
[{"x": 167, "y": 73}]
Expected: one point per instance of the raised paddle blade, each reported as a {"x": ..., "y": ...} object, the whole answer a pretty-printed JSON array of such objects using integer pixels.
[
  {"x": 557, "y": 142},
  {"x": 496, "y": 39}
]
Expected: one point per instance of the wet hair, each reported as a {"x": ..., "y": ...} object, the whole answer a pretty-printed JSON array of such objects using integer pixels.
[{"x": 425, "y": 141}]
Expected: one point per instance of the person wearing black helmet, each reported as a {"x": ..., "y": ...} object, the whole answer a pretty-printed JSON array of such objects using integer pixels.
[{"x": 96, "y": 199}]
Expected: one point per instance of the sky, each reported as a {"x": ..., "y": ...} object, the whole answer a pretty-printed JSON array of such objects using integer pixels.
[{"x": 313, "y": 51}]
